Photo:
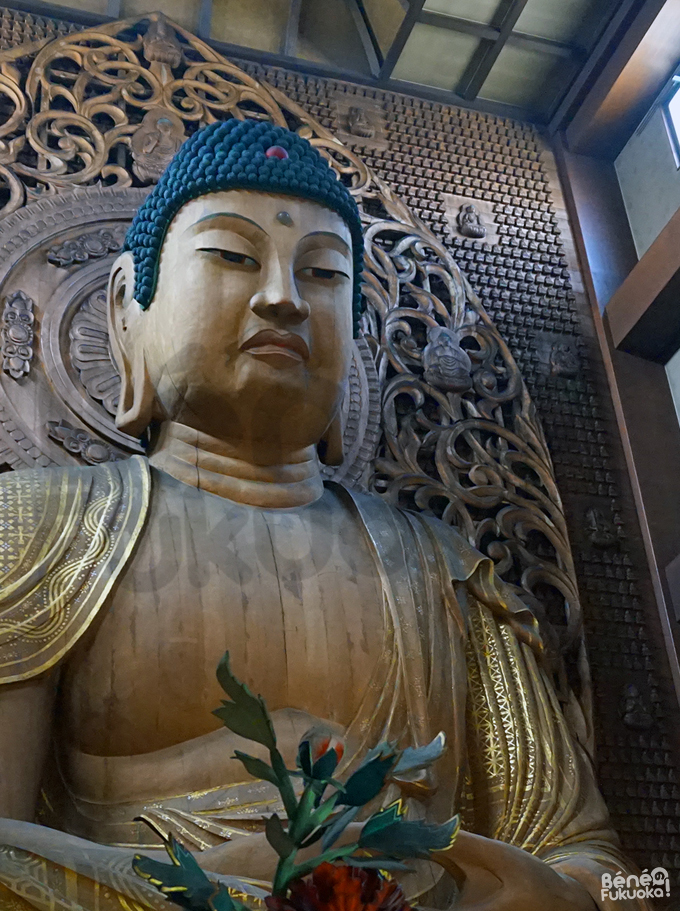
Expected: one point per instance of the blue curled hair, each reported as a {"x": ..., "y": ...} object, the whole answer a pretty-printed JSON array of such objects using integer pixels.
[{"x": 231, "y": 155}]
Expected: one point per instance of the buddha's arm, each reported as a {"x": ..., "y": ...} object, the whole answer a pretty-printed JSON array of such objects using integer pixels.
[
  {"x": 532, "y": 785},
  {"x": 25, "y": 725}
]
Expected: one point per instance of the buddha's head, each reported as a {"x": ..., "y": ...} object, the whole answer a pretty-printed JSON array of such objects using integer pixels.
[{"x": 234, "y": 303}]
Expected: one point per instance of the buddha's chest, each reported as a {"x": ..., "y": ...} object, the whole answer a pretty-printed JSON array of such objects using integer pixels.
[{"x": 293, "y": 596}]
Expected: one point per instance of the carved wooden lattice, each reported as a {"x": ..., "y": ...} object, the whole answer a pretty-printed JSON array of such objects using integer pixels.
[{"x": 459, "y": 436}]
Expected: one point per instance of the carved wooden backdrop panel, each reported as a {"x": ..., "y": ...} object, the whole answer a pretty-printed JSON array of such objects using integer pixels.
[{"x": 437, "y": 415}]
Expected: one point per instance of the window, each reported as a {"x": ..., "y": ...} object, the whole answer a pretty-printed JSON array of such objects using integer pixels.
[{"x": 672, "y": 117}]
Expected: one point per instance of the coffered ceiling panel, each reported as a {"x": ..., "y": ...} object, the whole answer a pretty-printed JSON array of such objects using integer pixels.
[
  {"x": 517, "y": 57},
  {"x": 524, "y": 77},
  {"x": 475, "y": 10},
  {"x": 434, "y": 56}
]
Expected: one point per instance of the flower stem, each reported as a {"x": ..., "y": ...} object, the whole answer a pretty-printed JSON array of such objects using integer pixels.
[
  {"x": 285, "y": 785},
  {"x": 299, "y": 825}
]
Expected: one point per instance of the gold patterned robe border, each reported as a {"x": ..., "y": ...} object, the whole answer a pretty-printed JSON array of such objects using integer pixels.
[{"x": 66, "y": 535}]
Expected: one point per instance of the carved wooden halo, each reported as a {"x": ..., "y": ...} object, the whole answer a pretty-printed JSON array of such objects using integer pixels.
[
  {"x": 53, "y": 394},
  {"x": 55, "y": 253}
]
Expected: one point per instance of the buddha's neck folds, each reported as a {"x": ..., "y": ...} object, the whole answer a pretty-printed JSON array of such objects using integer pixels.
[{"x": 202, "y": 461}]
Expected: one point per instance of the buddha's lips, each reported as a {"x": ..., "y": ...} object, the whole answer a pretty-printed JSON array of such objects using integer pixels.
[{"x": 268, "y": 338}]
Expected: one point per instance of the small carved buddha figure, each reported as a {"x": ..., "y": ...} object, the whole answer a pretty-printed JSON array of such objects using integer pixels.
[
  {"x": 563, "y": 360},
  {"x": 154, "y": 143},
  {"x": 447, "y": 365},
  {"x": 600, "y": 531},
  {"x": 232, "y": 312},
  {"x": 359, "y": 124},
  {"x": 470, "y": 222}
]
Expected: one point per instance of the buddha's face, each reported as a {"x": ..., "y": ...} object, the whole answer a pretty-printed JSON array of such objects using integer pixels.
[{"x": 249, "y": 333}]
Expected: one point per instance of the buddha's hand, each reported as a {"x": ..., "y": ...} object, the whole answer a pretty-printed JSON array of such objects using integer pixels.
[{"x": 493, "y": 876}]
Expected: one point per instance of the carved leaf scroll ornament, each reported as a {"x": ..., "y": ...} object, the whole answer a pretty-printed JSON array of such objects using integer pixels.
[
  {"x": 460, "y": 438},
  {"x": 79, "y": 442},
  {"x": 88, "y": 246}
]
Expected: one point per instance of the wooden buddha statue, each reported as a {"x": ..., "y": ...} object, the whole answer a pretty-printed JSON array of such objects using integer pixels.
[{"x": 232, "y": 314}]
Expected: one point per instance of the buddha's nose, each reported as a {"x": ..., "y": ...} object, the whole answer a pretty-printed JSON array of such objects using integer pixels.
[{"x": 280, "y": 301}]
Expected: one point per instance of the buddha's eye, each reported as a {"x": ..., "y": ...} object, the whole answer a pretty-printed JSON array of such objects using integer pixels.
[
  {"x": 322, "y": 274},
  {"x": 238, "y": 259}
]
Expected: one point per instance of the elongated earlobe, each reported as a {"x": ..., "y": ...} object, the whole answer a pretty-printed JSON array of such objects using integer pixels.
[
  {"x": 330, "y": 448},
  {"x": 137, "y": 394},
  {"x": 137, "y": 397}
]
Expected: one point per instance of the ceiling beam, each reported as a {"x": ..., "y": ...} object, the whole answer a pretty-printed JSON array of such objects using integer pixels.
[
  {"x": 649, "y": 296},
  {"x": 290, "y": 36},
  {"x": 404, "y": 33},
  {"x": 487, "y": 53},
  {"x": 204, "y": 26},
  {"x": 491, "y": 33},
  {"x": 547, "y": 45},
  {"x": 443, "y": 20},
  {"x": 366, "y": 36},
  {"x": 595, "y": 57},
  {"x": 624, "y": 83}
]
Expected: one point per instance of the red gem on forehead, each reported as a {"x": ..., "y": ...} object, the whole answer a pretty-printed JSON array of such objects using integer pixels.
[{"x": 276, "y": 152}]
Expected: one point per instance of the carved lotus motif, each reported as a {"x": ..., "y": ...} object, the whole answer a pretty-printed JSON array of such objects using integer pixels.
[
  {"x": 90, "y": 354},
  {"x": 447, "y": 366}
]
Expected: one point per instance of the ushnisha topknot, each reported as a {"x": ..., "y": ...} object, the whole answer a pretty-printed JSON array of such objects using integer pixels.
[{"x": 238, "y": 155}]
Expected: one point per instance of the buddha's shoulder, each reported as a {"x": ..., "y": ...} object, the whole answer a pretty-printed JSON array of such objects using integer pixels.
[
  {"x": 388, "y": 524},
  {"x": 48, "y": 503},
  {"x": 65, "y": 536},
  {"x": 40, "y": 486}
]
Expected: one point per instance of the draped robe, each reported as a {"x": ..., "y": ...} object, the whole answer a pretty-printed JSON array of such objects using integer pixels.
[{"x": 461, "y": 654}]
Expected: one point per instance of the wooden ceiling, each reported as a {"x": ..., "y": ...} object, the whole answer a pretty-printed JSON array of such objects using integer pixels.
[{"x": 536, "y": 60}]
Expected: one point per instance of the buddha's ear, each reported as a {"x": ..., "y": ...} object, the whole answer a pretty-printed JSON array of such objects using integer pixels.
[
  {"x": 330, "y": 448},
  {"x": 137, "y": 395}
]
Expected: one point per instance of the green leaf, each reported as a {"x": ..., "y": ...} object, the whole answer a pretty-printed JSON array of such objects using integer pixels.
[
  {"x": 183, "y": 881},
  {"x": 300, "y": 826},
  {"x": 383, "y": 818},
  {"x": 338, "y": 826},
  {"x": 368, "y": 780},
  {"x": 313, "y": 830},
  {"x": 222, "y": 901},
  {"x": 246, "y": 715},
  {"x": 285, "y": 784},
  {"x": 278, "y": 838},
  {"x": 321, "y": 814},
  {"x": 414, "y": 758},
  {"x": 403, "y": 838},
  {"x": 309, "y": 866},
  {"x": 257, "y": 768}
]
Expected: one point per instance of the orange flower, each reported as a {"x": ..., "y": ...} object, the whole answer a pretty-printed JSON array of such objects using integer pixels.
[
  {"x": 341, "y": 887},
  {"x": 319, "y": 753}
]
